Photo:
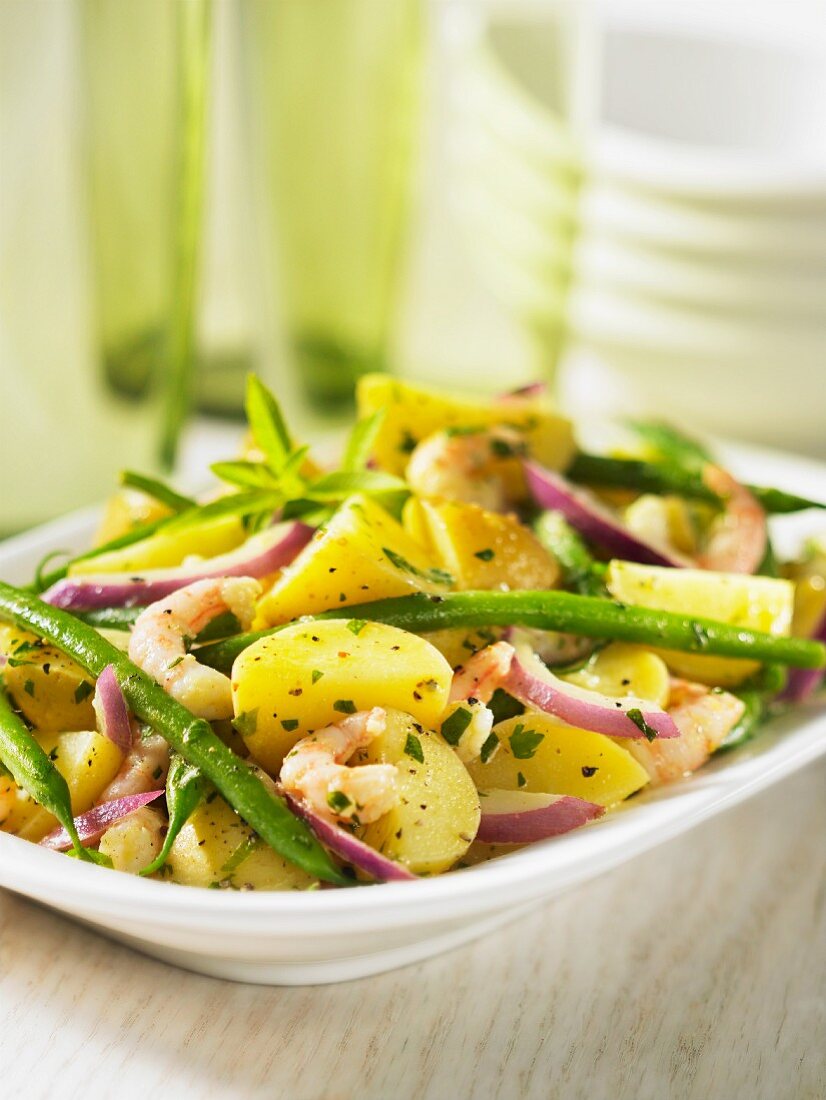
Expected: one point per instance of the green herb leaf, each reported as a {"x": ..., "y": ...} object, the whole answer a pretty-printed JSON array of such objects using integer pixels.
[
  {"x": 362, "y": 438},
  {"x": 521, "y": 781},
  {"x": 316, "y": 675},
  {"x": 83, "y": 690},
  {"x": 159, "y": 490},
  {"x": 638, "y": 718},
  {"x": 489, "y": 748},
  {"x": 338, "y": 802},
  {"x": 435, "y": 576},
  {"x": 344, "y": 706},
  {"x": 484, "y": 555},
  {"x": 355, "y": 626},
  {"x": 343, "y": 483},
  {"x": 246, "y": 475},
  {"x": 266, "y": 421},
  {"x": 455, "y": 725},
  {"x": 289, "y": 724},
  {"x": 525, "y": 742},
  {"x": 247, "y": 722},
  {"x": 413, "y": 748}
]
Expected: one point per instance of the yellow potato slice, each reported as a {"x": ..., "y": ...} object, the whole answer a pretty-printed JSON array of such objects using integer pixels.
[
  {"x": 437, "y": 814},
  {"x": 309, "y": 675},
  {"x": 413, "y": 413},
  {"x": 362, "y": 554},
  {"x": 86, "y": 760},
  {"x": 51, "y": 691},
  {"x": 538, "y": 753},
  {"x": 621, "y": 669},
  {"x": 482, "y": 550},
  {"x": 168, "y": 548},
  {"x": 217, "y": 849},
  {"x": 761, "y": 603}
]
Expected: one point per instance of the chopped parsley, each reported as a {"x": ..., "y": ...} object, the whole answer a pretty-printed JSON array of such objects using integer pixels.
[
  {"x": 520, "y": 779},
  {"x": 434, "y": 576},
  {"x": 485, "y": 555},
  {"x": 455, "y": 725},
  {"x": 413, "y": 748},
  {"x": 247, "y": 722},
  {"x": 489, "y": 748},
  {"x": 28, "y": 687},
  {"x": 83, "y": 690},
  {"x": 638, "y": 718},
  {"x": 338, "y": 802},
  {"x": 316, "y": 675},
  {"x": 588, "y": 771},
  {"x": 174, "y": 664},
  {"x": 355, "y": 626},
  {"x": 289, "y": 724},
  {"x": 525, "y": 742},
  {"x": 344, "y": 706}
]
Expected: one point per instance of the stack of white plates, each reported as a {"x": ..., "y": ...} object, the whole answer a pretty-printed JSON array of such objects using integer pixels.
[{"x": 676, "y": 238}]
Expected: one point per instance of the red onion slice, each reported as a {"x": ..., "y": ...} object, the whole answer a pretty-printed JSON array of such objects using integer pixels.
[
  {"x": 349, "y": 847},
  {"x": 802, "y": 683},
  {"x": 533, "y": 684},
  {"x": 592, "y": 519},
  {"x": 262, "y": 554},
  {"x": 522, "y": 817},
  {"x": 530, "y": 392},
  {"x": 112, "y": 713},
  {"x": 93, "y": 824}
]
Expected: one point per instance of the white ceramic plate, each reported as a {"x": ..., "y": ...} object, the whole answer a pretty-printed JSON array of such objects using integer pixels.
[{"x": 329, "y": 936}]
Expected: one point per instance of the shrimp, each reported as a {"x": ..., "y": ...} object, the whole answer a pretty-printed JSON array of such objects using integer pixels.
[
  {"x": 466, "y": 466},
  {"x": 159, "y": 638},
  {"x": 315, "y": 770},
  {"x": 482, "y": 674},
  {"x": 143, "y": 769},
  {"x": 473, "y": 686},
  {"x": 738, "y": 537},
  {"x": 703, "y": 717}
]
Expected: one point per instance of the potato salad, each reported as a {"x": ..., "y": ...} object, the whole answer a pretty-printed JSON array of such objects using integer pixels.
[{"x": 469, "y": 635}]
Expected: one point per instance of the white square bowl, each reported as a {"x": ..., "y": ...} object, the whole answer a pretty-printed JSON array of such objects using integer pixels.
[{"x": 334, "y": 935}]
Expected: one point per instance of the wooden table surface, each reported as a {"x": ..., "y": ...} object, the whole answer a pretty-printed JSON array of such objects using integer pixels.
[{"x": 697, "y": 970}]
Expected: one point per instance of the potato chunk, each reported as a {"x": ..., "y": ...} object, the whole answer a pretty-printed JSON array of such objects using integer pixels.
[
  {"x": 621, "y": 669},
  {"x": 482, "y": 549},
  {"x": 216, "y": 848},
  {"x": 539, "y": 753},
  {"x": 168, "y": 548},
  {"x": 308, "y": 675},
  {"x": 51, "y": 691},
  {"x": 412, "y": 414},
  {"x": 437, "y": 815},
  {"x": 761, "y": 603},
  {"x": 86, "y": 760},
  {"x": 125, "y": 510},
  {"x": 362, "y": 554}
]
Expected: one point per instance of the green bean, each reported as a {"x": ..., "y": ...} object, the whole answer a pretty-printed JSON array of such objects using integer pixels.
[
  {"x": 185, "y": 790},
  {"x": 671, "y": 443},
  {"x": 642, "y": 477},
  {"x": 124, "y": 618},
  {"x": 565, "y": 612},
  {"x": 580, "y": 570},
  {"x": 32, "y": 770},
  {"x": 192, "y": 737},
  {"x": 667, "y": 477}
]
